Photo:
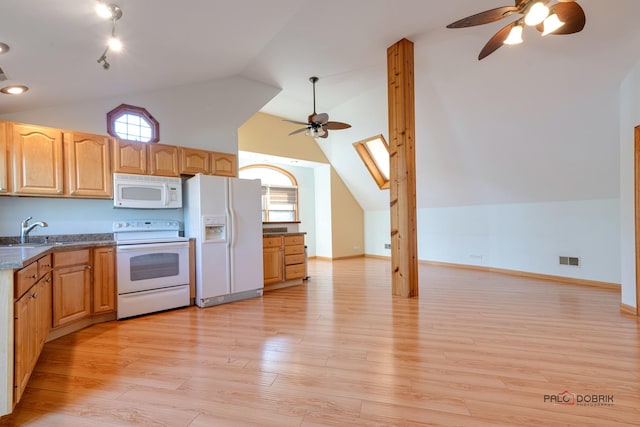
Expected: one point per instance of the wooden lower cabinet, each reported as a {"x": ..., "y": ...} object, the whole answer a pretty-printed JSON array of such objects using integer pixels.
[
  {"x": 104, "y": 280},
  {"x": 283, "y": 260},
  {"x": 59, "y": 291},
  {"x": 294, "y": 257},
  {"x": 32, "y": 322},
  {"x": 272, "y": 259},
  {"x": 71, "y": 286}
]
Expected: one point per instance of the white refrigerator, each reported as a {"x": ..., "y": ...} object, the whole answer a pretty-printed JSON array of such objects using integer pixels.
[{"x": 224, "y": 215}]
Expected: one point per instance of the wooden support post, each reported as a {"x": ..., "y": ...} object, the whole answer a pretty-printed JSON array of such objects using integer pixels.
[{"x": 404, "y": 236}]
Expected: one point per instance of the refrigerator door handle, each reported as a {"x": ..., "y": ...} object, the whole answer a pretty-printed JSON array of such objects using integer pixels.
[{"x": 231, "y": 234}]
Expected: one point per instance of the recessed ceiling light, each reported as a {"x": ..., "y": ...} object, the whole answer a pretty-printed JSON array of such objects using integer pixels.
[
  {"x": 4, "y": 48},
  {"x": 14, "y": 90}
]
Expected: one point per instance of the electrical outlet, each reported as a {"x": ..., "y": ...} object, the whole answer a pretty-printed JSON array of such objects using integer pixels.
[
  {"x": 473, "y": 256},
  {"x": 387, "y": 245}
]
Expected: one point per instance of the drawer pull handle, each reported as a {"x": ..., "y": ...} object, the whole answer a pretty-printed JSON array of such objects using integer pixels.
[
  {"x": 35, "y": 295},
  {"x": 32, "y": 277}
]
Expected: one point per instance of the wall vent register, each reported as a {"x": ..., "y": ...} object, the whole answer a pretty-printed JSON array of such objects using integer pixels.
[{"x": 570, "y": 261}]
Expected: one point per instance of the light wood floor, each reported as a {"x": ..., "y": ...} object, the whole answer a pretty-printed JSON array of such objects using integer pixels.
[{"x": 476, "y": 349}]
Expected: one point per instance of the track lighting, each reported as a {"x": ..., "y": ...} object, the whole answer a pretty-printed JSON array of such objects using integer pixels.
[{"x": 113, "y": 12}]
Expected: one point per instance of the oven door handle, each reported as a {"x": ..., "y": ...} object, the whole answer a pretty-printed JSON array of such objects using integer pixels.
[{"x": 148, "y": 246}]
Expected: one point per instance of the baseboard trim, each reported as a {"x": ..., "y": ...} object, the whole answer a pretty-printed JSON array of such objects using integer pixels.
[
  {"x": 324, "y": 258},
  {"x": 378, "y": 256},
  {"x": 527, "y": 274},
  {"x": 540, "y": 276},
  {"x": 348, "y": 257},
  {"x": 628, "y": 309}
]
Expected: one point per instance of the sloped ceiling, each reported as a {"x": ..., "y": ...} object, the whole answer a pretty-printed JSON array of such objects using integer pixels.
[{"x": 535, "y": 122}]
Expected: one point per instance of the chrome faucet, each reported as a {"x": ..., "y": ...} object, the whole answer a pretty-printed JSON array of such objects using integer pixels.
[{"x": 25, "y": 229}]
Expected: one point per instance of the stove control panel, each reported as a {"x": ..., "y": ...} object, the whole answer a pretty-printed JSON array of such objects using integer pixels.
[{"x": 146, "y": 225}]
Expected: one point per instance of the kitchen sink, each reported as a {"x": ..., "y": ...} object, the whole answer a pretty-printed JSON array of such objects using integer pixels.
[{"x": 21, "y": 245}]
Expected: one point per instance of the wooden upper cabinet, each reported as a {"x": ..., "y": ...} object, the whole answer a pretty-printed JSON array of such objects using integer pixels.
[
  {"x": 194, "y": 161},
  {"x": 163, "y": 160},
  {"x": 88, "y": 165},
  {"x": 223, "y": 164},
  {"x": 4, "y": 175},
  {"x": 36, "y": 159},
  {"x": 129, "y": 157}
]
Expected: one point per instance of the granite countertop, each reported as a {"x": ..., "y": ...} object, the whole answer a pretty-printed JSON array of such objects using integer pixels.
[{"x": 15, "y": 257}]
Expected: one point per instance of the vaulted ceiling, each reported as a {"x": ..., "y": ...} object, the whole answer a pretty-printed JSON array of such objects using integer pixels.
[{"x": 534, "y": 122}]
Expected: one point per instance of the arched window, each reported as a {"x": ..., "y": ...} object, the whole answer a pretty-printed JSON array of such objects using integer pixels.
[
  {"x": 132, "y": 124},
  {"x": 279, "y": 192}
]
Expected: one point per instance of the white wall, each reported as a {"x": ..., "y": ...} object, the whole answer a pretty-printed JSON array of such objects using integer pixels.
[
  {"x": 324, "y": 243},
  {"x": 629, "y": 118},
  {"x": 522, "y": 237}
]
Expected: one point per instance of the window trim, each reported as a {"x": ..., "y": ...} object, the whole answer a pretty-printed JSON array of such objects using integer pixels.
[
  {"x": 114, "y": 114},
  {"x": 294, "y": 183},
  {"x": 370, "y": 163}
]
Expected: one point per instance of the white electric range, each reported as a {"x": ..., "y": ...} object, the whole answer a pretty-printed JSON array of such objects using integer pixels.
[{"x": 152, "y": 266}]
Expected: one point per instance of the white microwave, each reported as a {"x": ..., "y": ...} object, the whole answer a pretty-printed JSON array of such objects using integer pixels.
[{"x": 146, "y": 192}]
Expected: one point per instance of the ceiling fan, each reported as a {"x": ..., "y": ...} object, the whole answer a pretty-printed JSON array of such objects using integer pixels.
[
  {"x": 565, "y": 17},
  {"x": 317, "y": 125}
]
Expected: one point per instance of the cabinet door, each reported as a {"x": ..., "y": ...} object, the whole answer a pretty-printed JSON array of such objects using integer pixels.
[
  {"x": 36, "y": 158},
  {"x": 88, "y": 165},
  {"x": 223, "y": 164},
  {"x": 273, "y": 261},
  {"x": 4, "y": 175},
  {"x": 129, "y": 157},
  {"x": 104, "y": 280},
  {"x": 71, "y": 294},
  {"x": 193, "y": 161},
  {"x": 44, "y": 305},
  {"x": 25, "y": 341},
  {"x": 163, "y": 160}
]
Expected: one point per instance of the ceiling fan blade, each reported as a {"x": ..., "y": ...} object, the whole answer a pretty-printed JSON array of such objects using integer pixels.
[
  {"x": 336, "y": 125},
  {"x": 295, "y": 122},
  {"x": 571, "y": 14},
  {"x": 297, "y": 131},
  {"x": 484, "y": 17},
  {"x": 496, "y": 41},
  {"x": 321, "y": 118}
]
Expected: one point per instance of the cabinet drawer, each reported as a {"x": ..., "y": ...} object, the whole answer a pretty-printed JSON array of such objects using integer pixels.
[
  {"x": 294, "y": 259},
  {"x": 62, "y": 259},
  {"x": 293, "y": 250},
  {"x": 294, "y": 240},
  {"x": 271, "y": 242},
  {"x": 294, "y": 271},
  {"x": 45, "y": 265},
  {"x": 25, "y": 278}
]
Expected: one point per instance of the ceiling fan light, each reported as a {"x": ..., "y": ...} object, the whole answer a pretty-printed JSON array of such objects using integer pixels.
[
  {"x": 515, "y": 35},
  {"x": 551, "y": 24},
  {"x": 320, "y": 132},
  {"x": 536, "y": 14}
]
